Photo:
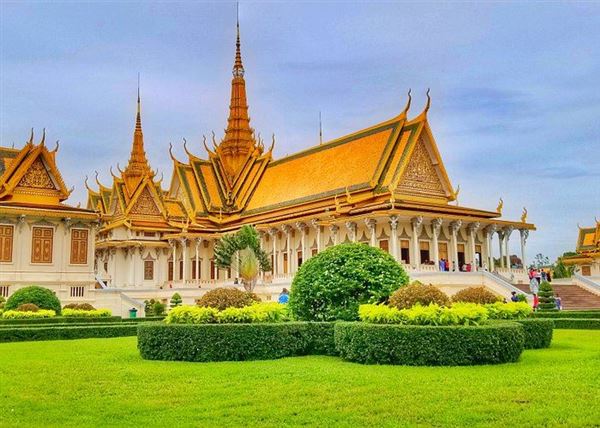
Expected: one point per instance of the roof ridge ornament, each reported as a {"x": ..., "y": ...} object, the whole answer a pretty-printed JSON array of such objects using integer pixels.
[
  {"x": 407, "y": 107},
  {"x": 428, "y": 100}
]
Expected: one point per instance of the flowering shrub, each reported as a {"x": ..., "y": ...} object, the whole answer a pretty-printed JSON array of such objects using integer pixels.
[
  {"x": 223, "y": 298},
  {"x": 416, "y": 292},
  {"x": 42, "y": 313},
  {"x": 508, "y": 311},
  {"x": 81, "y": 306},
  {"x": 28, "y": 307},
  {"x": 257, "y": 313},
  {"x": 96, "y": 313},
  {"x": 479, "y": 295},
  {"x": 433, "y": 314}
]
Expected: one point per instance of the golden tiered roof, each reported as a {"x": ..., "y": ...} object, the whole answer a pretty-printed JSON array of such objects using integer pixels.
[
  {"x": 393, "y": 166},
  {"x": 588, "y": 245},
  {"x": 30, "y": 182}
]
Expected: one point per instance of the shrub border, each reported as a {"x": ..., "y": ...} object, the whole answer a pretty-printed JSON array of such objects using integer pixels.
[
  {"x": 234, "y": 342},
  {"x": 538, "y": 332},
  {"x": 62, "y": 333},
  {"x": 577, "y": 324},
  {"x": 60, "y": 320},
  {"x": 567, "y": 314},
  {"x": 500, "y": 342}
]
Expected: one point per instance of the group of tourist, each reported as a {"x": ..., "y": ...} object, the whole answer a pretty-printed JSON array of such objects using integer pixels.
[
  {"x": 445, "y": 266},
  {"x": 536, "y": 276}
]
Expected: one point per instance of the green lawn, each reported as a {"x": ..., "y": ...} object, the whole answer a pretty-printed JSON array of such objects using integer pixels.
[{"x": 103, "y": 382}]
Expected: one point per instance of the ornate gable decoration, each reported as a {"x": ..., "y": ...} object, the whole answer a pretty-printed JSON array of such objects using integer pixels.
[
  {"x": 145, "y": 204},
  {"x": 420, "y": 176},
  {"x": 37, "y": 177}
]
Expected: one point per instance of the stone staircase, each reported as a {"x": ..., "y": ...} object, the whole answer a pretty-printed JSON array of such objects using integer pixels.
[{"x": 572, "y": 296}]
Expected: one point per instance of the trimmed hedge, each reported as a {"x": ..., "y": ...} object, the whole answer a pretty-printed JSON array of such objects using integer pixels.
[
  {"x": 538, "y": 332},
  {"x": 60, "y": 320},
  {"x": 145, "y": 319},
  {"x": 567, "y": 314},
  {"x": 577, "y": 324},
  {"x": 43, "y": 298},
  {"x": 233, "y": 342},
  {"x": 62, "y": 333},
  {"x": 429, "y": 345}
]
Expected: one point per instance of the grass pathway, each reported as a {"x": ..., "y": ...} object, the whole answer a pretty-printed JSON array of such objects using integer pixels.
[{"x": 104, "y": 382}]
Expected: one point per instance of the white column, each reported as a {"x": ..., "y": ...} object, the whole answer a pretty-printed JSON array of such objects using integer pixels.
[
  {"x": 113, "y": 256},
  {"x": 454, "y": 228},
  {"x": 315, "y": 223},
  {"x": 287, "y": 229},
  {"x": 508, "y": 231},
  {"x": 334, "y": 233},
  {"x": 273, "y": 234},
  {"x": 198, "y": 242},
  {"x": 501, "y": 247},
  {"x": 371, "y": 224},
  {"x": 303, "y": 229},
  {"x": 524, "y": 236},
  {"x": 351, "y": 226},
  {"x": 394, "y": 236},
  {"x": 130, "y": 255},
  {"x": 472, "y": 228},
  {"x": 489, "y": 236},
  {"x": 416, "y": 223},
  {"x": 436, "y": 226},
  {"x": 184, "y": 257}
]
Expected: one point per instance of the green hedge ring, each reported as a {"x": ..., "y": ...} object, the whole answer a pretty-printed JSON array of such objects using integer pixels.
[
  {"x": 429, "y": 345},
  {"x": 233, "y": 342}
]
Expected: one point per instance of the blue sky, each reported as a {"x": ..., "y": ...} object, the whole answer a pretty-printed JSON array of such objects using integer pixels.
[{"x": 515, "y": 87}]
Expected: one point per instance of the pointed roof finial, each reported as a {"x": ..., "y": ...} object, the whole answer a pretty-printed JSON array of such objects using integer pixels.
[
  {"x": 428, "y": 101},
  {"x": 238, "y": 67},
  {"x": 138, "y": 117}
]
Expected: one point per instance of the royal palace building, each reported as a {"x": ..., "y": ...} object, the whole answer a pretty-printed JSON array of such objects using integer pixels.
[
  {"x": 43, "y": 241},
  {"x": 385, "y": 186}
]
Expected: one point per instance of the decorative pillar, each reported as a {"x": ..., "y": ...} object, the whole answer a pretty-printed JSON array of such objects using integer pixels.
[
  {"x": 416, "y": 223},
  {"x": 454, "y": 228},
  {"x": 371, "y": 224},
  {"x": 436, "y": 227},
  {"x": 394, "y": 236},
  {"x": 315, "y": 223},
  {"x": 489, "y": 236},
  {"x": 197, "y": 241},
  {"x": 184, "y": 256},
  {"x": 334, "y": 229},
  {"x": 473, "y": 228},
  {"x": 351, "y": 226},
  {"x": 287, "y": 229},
  {"x": 273, "y": 233},
  {"x": 302, "y": 228},
  {"x": 113, "y": 256},
  {"x": 507, "y": 232},
  {"x": 501, "y": 246},
  {"x": 173, "y": 244},
  {"x": 524, "y": 235}
]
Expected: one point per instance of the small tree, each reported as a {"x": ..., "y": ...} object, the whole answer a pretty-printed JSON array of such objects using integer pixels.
[
  {"x": 561, "y": 270},
  {"x": 540, "y": 261},
  {"x": 241, "y": 252},
  {"x": 176, "y": 300},
  {"x": 546, "y": 296}
]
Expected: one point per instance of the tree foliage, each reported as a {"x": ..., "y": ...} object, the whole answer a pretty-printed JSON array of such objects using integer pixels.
[
  {"x": 331, "y": 285},
  {"x": 546, "y": 296},
  {"x": 241, "y": 252}
]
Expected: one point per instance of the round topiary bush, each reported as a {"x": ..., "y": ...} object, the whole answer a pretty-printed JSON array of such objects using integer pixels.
[
  {"x": 80, "y": 306},
  {"x": 42, "y": 297},
  {"x": 223, "y": 298},
  {"x": 416, "y": 292},
  {"x": 28, "y": 307},
  {"x": 479, "y": 295},
  {"x": 331, "y": 285}
]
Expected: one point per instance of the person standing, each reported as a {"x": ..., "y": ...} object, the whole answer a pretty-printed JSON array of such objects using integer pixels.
[{"x": 284, "y": 296}]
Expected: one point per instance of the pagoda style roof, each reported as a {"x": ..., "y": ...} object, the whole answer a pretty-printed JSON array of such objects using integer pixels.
[
  {"x": 30, "y": 182},
  {"x": 393, "y": 166}
]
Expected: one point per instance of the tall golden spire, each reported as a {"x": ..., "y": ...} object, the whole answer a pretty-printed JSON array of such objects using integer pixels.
[
  {"x": 239, "y": 140},
  {"x": 138, "y": 164}
]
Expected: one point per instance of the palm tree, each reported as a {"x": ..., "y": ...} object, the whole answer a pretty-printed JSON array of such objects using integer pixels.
[{"x": 241, "y": 252}]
